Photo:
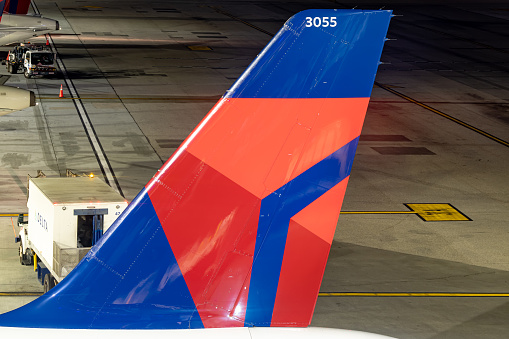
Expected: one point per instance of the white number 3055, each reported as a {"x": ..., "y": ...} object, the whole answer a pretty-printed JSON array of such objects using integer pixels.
[{"x": 321, "y": 22}]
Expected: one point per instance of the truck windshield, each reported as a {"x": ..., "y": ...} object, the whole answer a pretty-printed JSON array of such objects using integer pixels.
[{"x": 41, "y": 58}]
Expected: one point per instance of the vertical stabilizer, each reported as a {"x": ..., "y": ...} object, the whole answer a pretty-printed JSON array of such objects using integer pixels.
[{"x": 236, "y": 227}]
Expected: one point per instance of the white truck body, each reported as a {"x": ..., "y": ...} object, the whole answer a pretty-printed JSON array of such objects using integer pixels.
[
  {"x": 39, "y": 62},
  {"x": 60, "y": 211}
]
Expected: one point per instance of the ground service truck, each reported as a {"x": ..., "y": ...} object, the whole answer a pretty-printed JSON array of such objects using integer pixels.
[
  {"x": 32, "y": 60},
  {"x": 66, "y": 217},
  {"x": 38, "y": 62}
]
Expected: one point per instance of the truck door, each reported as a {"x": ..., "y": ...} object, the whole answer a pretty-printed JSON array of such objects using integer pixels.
[
  {"x": 97, "y": 222},
  {"x": 89, "y": 226}
]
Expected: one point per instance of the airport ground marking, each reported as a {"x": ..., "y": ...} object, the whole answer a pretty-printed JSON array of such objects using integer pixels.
[
  {"x": 12, "y": 222},
  {"x": 458, "y": 37},
  {"x": 378, "y": 212},
  {"x": 442, "y": 114},
  {"x": 220, "y": 11},
  {"x": 199, "y": 48},
  {"x": 438, "y": 212},
  {"x": 20, "y": 294},
  {"x": 93, "y": 138},
  {"x": 425, "y": 211},
  {"x": 413, "y": 294}
]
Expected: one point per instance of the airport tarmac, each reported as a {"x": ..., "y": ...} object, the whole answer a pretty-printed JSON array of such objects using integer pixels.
[{"x": 143, "y": 74}]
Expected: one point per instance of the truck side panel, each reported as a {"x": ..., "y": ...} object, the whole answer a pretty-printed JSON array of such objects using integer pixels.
[
  {"x": 65, "y": 227},
  {"x": 66, "y": 217},
  {"x": 114, "y": 210},
  {"x": 40, "y": 224}
]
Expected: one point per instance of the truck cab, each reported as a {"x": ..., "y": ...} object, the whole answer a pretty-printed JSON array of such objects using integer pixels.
[{"x": 38, "y": 62}]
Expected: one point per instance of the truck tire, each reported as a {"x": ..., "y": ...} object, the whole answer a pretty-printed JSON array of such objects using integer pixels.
[
  {"x": 12, "y": 68},
  {"x": 49, "y": 282},
  {"x": 25, "y": 259},
  {"x": 21, "y": 255},
  {"x": 29, "y": 257},
  {"x": 27, "y": 75}
]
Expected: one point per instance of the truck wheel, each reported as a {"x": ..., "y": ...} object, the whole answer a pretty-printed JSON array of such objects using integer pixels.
[
  {"x": 29, "y": 257},
  {"x": 21, "y": 255},
  {"x": 25, "y": 259},
  {"x": 49, "y": 282},
  {"x": 14, "y": 69},
  {"x": 27, "y": 75}
]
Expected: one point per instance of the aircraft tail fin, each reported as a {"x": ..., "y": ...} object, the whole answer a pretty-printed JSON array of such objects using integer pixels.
[{"x": 236, "y": 227}]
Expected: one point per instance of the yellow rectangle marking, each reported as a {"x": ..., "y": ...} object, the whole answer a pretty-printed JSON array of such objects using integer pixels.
[{"x": 438, "y": 212}]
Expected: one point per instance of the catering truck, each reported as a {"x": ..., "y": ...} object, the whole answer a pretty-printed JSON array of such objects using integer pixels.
[{"x": 66, "y": 217}]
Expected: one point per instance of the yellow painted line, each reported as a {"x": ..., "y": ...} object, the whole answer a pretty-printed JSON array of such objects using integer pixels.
[
  {"x": 409, "y": 294},
  {"x": 445, "y": 115},
  {"x": 379, "y": 212},
  {"x": 20, "y": 294},
  {"x": 12, "y": 215},
  {"x": 427, "y": 212}
]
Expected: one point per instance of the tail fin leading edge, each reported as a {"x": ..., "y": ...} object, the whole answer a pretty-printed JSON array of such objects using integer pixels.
[{"x": 236, "y": 227}]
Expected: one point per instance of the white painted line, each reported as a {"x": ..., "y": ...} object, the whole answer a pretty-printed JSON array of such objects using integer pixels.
[{"x": 87, "y": 124}]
